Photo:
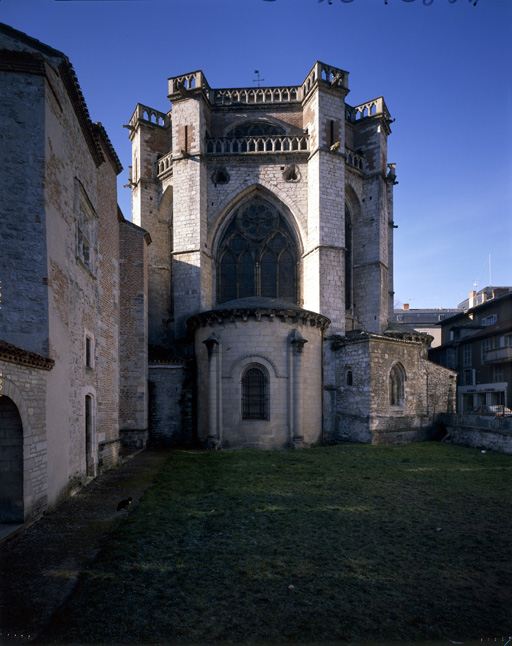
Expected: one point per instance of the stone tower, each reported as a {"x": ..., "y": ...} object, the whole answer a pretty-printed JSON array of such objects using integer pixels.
[{"x": 280, "y": 193}]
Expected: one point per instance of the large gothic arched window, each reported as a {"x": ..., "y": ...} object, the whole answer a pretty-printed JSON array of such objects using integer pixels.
[
  {"x": 256, "y": 129},
  {"x": 257, "y": 255}
]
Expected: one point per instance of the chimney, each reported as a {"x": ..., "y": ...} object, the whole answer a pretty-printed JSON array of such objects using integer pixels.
[
  {"x": 499, "y": 291},
  {"x": 405, "y": 306},
  {"x": 472, "y": 299}
]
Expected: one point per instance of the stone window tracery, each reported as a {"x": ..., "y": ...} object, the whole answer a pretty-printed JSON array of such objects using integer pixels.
[
  {"x": 256, "y": 129},
  {"x": 397, "y": 385},
  {"x": 87, "y": 230},
  {"x": 257, "y": 255}
]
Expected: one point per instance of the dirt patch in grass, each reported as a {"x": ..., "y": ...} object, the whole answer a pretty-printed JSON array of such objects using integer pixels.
[{"x": 332, "y": 544}]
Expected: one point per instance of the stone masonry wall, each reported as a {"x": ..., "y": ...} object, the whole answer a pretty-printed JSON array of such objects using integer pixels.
[
  {"x": 190, "y": 265},
  {"x": 428, "y": 391},
  {"x": 134, "y": 334},
  {"x": 24, "y": 314},
  {"x": 166, "y": 383},
  {"x": 148, "y": 143},
  {"x": 71, "y": 204},
  {"x": 363, "y": 410},
  {"x": 489, "y": 433},
  {"x": 269, "y": 347},
  {"x": 108, "y": 324},
  {"x": 326, "y": 202},
  {"x": 26, "y": 387},
  {"x": 351, "y": 400}
]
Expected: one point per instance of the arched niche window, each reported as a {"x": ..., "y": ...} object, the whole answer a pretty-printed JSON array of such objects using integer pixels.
[
  {"x": 255, "y": 393},
  {"x": 349, "y": 260},
  {"x": 349, "y": 379},
  {"x": 89, "y": 436},
  {"x": 256, "y": 129},
  {"x": 257, "y": 255},
  {"x": 397, "y": 385}
]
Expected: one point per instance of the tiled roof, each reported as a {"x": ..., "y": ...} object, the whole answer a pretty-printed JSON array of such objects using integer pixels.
[{"x": 163, "y": 356}]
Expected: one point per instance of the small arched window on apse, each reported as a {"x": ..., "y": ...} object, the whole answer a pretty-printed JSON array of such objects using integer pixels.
[
  {"x": 255, "y": 393},
  {"x": 397, "y": 379},
  {"x": 349, "y": 380}
]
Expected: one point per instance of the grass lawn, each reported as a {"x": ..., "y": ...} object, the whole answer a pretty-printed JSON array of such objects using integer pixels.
[{"x": 408, "y": 543}]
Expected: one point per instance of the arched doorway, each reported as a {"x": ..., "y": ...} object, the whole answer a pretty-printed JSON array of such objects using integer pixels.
[{"x": 11, "y": 463}]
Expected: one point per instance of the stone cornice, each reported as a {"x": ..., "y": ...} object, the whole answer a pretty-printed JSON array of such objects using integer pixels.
[
  {"x": 358, "y": 336},
  {"x": 219, "y": 316},
  {"x": 12, "y": 354},
  {"x": 25, "y": 62}
]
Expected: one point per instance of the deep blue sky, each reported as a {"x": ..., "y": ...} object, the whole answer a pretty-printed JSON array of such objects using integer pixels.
[{"x": 444, "y": 69}]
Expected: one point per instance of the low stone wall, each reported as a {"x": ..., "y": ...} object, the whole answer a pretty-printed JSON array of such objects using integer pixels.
[{"x": 479, "y": 431}]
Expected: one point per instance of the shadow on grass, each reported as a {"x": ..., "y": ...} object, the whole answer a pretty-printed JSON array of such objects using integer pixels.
[{"x": 409, "y": 543}]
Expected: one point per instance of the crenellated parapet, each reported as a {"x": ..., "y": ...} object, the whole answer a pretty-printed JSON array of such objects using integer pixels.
[{"x": 193, "y": 83}]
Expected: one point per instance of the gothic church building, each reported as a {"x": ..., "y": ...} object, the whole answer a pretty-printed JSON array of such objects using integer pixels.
[{"x": 270, "y": 211}]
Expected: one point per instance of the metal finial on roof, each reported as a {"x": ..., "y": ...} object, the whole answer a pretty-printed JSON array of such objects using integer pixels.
[{"x": 259, "y": 79}]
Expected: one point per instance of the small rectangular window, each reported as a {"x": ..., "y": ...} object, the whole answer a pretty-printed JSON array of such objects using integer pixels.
[
  {"x": 89, "y": 352},
  {"x": 467, "y": 355},
  {"x": 497, "y": 374}
]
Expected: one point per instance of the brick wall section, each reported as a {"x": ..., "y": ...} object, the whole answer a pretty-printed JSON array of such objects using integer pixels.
[
  {"x": 108, "y": 324},
  {"x": 289, "y": 118},
  {"x": 134, "y": 330},
  {"x": 148, "y": 143}
]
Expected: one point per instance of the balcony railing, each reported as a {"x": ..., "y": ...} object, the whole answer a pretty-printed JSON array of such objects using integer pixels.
[
  {"x": 355, "y": 160},
  {"x": 248, "y": 145},
  {"x": 164, "y": 166},
  {"x": 257, "y": 95},
  {"x": 498, "y": 355}
]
